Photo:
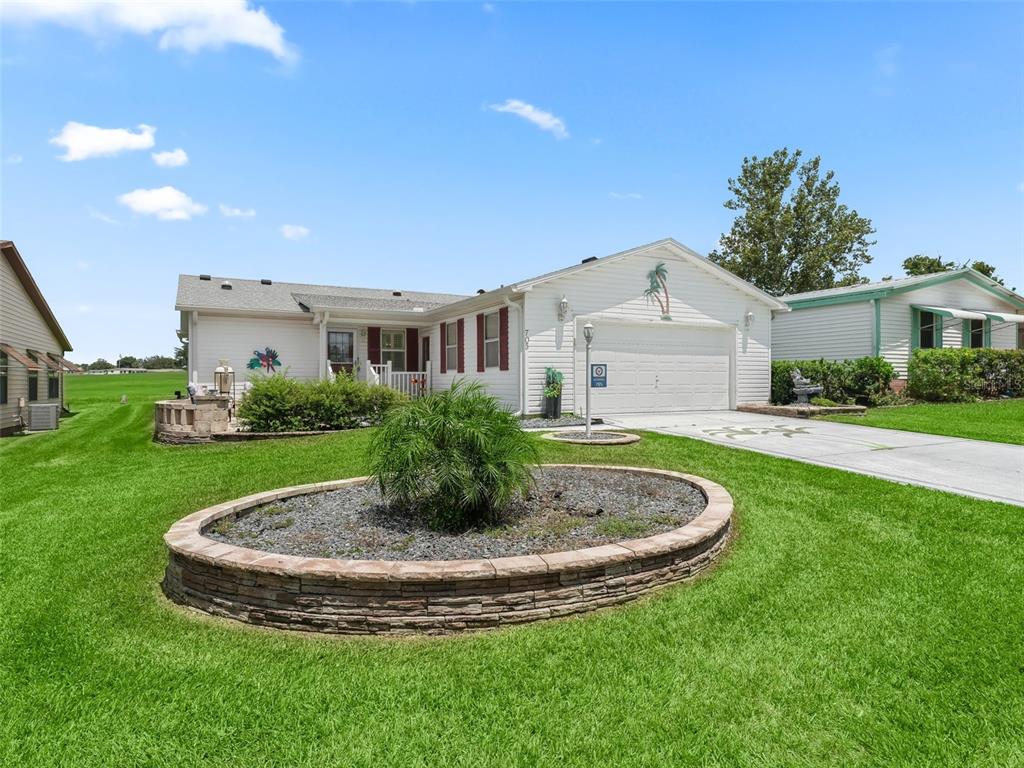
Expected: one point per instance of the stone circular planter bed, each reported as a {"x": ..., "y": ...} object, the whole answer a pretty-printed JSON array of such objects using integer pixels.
[
  {"x": 437, "y": 597},
  {"x": 596, "y": 438}
]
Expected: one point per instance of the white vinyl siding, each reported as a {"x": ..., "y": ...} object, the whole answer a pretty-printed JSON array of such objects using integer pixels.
[
  {"x": 297, "y": 343},
  {"x": 835, "y": 332},
  {"x": 897, "y": 318},
  {"x": 614, "y": 292},
  {"x": 23, "y": 328},
  {"x": 503, "y": 385}
]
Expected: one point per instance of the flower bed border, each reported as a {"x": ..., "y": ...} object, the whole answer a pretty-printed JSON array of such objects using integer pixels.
[{"x": 435, "y": 597}]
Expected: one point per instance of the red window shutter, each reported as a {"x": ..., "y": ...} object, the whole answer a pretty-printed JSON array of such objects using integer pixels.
[
  {"x": 443, "y": 336},
  {"x": 480, "y": 343},
  {"x": 373, "y": 344},
  {"x": 461, "y": 326},
  {"x": 503, "y": 339},
  {"x": 412, "y": 349}
]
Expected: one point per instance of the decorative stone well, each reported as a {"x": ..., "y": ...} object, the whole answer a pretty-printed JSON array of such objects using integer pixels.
[
  {"x": 436, "y": 597},
  {"x": 183, "y": 419}
]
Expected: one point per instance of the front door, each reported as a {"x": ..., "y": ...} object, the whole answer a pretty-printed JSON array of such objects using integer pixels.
[
  {"x": 341, "y": 349},
  {"x": 425, "y": 354}
]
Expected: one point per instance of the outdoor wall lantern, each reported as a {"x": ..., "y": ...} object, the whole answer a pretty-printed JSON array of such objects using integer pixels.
[
  {"x": 563, "y": 309},
  {"x": 748, "y": 320}
]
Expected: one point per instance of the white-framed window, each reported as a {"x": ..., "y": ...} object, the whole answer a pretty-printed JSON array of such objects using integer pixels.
[
  {"x": 392, "y": 348},
  {"x": 492, "y": 341},
  {"x": 451, "y": 343}
]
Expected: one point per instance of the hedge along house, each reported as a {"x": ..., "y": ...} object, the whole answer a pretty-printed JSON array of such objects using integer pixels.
[
  {"x": 890, "y": 319},
  {"x": 674, "y": 331},
  {"x": 32, "y": 345}
]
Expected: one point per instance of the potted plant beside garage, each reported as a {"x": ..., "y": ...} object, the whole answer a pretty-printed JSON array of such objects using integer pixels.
[{"x": 552, "y": 393}]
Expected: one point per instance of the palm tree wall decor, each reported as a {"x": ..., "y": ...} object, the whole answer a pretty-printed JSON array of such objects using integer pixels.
[{"x": 657, "y": 289}]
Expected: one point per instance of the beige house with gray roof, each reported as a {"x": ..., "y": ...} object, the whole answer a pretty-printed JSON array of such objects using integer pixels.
[{"x": 32, "y": 344}]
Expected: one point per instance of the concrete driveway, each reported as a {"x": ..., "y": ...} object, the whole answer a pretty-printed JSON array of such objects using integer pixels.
[{"x": 968, "y": 467}]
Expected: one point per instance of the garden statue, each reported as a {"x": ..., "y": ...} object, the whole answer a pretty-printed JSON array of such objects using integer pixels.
[{"x": 803, "y": 388}]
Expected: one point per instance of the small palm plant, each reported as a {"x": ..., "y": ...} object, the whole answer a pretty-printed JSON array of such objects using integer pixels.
[{"x": 456, "y": 456}]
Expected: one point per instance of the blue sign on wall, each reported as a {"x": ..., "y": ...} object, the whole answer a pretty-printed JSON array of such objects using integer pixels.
[{"x": 598, "y": 375}]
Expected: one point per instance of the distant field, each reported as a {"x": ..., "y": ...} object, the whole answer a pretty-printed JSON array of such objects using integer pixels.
[{"x": 82, "y": 389}]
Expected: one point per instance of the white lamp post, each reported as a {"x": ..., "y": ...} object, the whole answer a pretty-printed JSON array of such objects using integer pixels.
[{"x": 588, "y": 336}]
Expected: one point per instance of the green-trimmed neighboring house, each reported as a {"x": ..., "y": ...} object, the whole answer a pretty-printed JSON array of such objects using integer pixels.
[{"x": 890, "y": 319}]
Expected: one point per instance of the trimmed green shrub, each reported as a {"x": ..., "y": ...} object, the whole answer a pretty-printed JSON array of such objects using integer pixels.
[
  {"x": 864, "y": 380},
  {"x": 455, "y": 456},
  {"x": 962, "y": 375},
  {"x": 281, "y": 404},
  {"x": 823, "y": 402}
]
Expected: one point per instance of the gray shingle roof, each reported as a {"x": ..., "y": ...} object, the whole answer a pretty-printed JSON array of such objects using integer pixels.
[
  {"x": 252, "y": 295},
  {"x": 900, "y": 282}
]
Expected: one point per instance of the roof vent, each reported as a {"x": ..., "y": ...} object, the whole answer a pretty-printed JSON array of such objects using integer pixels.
[
  {"x": 204, "y": 277},
  {"x": 480, "y": 291},
  {"x": 264, "y": 281},
  {"x": 587, "y": 261},
  {"x": 396, "y": 293},
  {"x": 226, "y": 285}
]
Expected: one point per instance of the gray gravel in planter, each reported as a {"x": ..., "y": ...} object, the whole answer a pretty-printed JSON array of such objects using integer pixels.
[
  {"x": 564, "y": 421},
  {"x": 568, "y": 509}
]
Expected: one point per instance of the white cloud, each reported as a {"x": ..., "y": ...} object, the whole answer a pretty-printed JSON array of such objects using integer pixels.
[
  {"x": 625, "y": 195},
  {"x": 189, "y": 26},
  {"x": 488, "y": 8},
  {"x": 543, "y": 120},
  {"x": 237, "y": 213},
  {"x": 100, "y": 216},
  {"x": 1020, "y": 187},
  {"x": 84, "y": 308},
  {"x": 166, "y": 203},
  {"x": 170, "y": 159},
  {"x": 82, "y": 141},
  {"x": 887, "y": 60},
  {"x": 82, "y": 266},
  {"x": 294, "y": 231},
  {"x": 13, "y": 159}
]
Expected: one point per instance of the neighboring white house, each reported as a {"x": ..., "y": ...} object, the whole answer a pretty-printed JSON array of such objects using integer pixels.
[
  {"x": 675, "y": 331},
  {"x": 32, "y": 344},
  {"x": 890, "y": 319}
]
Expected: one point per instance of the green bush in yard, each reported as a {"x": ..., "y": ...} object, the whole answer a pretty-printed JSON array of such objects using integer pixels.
[
  {"x": 963, "y": 375},
  {"x": 455, "y": 456},
  {"x": 864, "y": 380},
  {"x": 282, "y": 404}
]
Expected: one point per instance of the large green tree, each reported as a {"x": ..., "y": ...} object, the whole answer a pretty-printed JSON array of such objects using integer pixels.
[
  {"x": 791, "y": 233},
  {"x": 920, "y": 264}
]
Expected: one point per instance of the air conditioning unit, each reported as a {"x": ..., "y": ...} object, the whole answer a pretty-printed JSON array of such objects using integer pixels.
[{"x": 43, "y": 416}]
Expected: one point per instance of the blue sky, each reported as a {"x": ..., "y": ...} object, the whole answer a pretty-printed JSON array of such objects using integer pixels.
[{"x": 371, "y": 130}]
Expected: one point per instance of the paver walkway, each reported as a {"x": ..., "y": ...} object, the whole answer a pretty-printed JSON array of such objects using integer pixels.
[{"x": 968, "y": 467}]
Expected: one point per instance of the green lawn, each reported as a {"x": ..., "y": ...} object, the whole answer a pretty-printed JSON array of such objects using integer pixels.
[
  {"x": 854, "y": 622},
  {"x": 1001, "y": 421}
]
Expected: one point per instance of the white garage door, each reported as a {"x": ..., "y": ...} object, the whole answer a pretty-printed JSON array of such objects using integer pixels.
[{"x": 655, "y": 368}]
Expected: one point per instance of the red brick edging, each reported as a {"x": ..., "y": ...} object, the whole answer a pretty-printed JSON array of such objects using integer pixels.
[{"x": 437, "y": 597}]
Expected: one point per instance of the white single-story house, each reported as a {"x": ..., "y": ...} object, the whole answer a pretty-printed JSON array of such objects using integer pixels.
[
  {"x": 32, "y": 345},
  {"x": 890, "y": 319},
  {"x": 673, "y": 330}
]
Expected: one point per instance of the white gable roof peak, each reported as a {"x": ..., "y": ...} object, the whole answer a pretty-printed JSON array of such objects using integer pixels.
[{"x": 674, "y": 247}]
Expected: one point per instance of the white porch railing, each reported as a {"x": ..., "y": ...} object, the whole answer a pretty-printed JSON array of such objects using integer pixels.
[{"x": 412, "y": 383}]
